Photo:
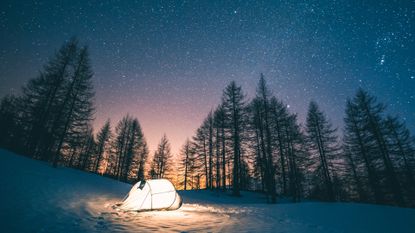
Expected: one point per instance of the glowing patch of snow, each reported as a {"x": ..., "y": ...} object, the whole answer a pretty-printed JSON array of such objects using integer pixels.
[{"x": 38, "y": 198}]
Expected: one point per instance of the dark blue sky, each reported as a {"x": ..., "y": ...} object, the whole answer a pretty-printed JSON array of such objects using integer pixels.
[{"x": 167, "y": 62}]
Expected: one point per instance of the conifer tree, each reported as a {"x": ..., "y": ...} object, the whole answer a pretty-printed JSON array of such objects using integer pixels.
[
  {"x": 234, "y": 108},
  {"x": 373, "y": 124},
  {"x": 130, "y": 150},
  {"x": 220, "y": 145},
  {"x": 77, "y": 108},
  {"x": 323, "y": 148},
  {"x": 161, "y": 166},
  {"x": 186, "y": 164},
  {"x": 200, "y": 141},
  {"x": 402, "y": 148},
  {"x": 42, "y": 100},
  {"x": 103, "y": 142}
]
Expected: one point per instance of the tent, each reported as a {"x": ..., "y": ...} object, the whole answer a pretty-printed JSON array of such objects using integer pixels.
[{"x": 157, "y": 194}]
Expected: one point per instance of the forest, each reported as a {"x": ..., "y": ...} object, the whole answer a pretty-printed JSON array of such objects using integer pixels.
[{"x": 243, "y": 144}]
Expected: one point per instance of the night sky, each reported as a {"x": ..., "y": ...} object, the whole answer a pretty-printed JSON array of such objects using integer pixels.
[{"x": 167, "y": 62}]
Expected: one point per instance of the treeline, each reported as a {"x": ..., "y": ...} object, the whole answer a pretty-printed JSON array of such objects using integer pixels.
[
  {"x": 54, "y": 110},
  {"x": 52, "y": 121},
  {"x": 242, "y": 144},
  {"x": 259, "y": 145}
]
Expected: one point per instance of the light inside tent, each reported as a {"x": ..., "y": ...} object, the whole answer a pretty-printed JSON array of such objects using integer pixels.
[{"x": 152, "y": 195}]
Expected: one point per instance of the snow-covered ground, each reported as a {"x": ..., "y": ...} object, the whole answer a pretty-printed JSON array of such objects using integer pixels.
[{"x": 38, "y": 198}]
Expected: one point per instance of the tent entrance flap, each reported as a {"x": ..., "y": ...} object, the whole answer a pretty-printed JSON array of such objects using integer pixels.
[
  {"x": 157, "y": 194},
  {"x": 142, "y": 184}
]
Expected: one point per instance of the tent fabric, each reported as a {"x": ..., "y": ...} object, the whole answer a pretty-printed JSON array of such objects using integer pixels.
[{"x": 157, "y": 194}]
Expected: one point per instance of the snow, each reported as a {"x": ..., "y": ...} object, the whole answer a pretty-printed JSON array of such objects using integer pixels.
[{"x": 38, "y": 198}]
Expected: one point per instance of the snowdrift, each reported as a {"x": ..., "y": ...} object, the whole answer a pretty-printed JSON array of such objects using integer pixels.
[{"x": 39, "y": 198}]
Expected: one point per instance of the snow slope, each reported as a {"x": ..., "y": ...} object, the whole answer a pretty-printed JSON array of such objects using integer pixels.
[{"x": 38, "y": 198}]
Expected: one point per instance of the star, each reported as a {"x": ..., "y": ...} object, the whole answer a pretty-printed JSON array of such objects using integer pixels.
[{"x": 167, "y": 63}]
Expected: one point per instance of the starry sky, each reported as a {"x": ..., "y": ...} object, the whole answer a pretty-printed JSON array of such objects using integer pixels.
[{"x": 167, "y": 62}]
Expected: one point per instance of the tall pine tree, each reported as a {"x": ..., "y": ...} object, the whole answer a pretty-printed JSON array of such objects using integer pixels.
[
  {"x": 323, "y": 148},
  {"x": 234, "y": 108},
  {"x": 162, "y": 164}
]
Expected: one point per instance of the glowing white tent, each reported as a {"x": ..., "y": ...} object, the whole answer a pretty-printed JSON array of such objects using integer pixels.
[{"x": 152, "y": 195}]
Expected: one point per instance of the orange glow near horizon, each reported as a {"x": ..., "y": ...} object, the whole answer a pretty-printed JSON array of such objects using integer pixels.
[{"x": 177, "y": 119}]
